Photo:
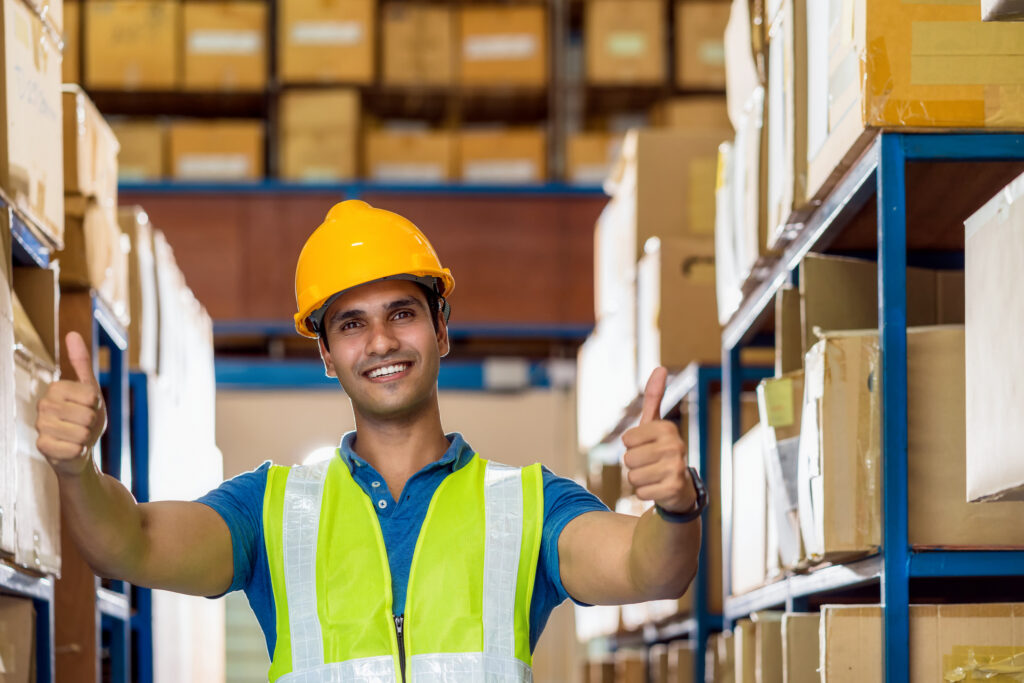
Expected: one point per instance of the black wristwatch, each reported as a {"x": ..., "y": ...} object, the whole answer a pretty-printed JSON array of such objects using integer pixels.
[{"x": 698, "y": 508}]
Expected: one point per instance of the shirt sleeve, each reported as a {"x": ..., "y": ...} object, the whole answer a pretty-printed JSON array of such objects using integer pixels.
[{"x": 239, "y": 501}]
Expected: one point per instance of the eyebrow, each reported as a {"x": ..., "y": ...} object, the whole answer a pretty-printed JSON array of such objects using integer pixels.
[{"x": 405, "y": 302}]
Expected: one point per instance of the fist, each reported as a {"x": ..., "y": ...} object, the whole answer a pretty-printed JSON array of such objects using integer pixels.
[
  {"x": 71, "y": 414},
  {"x": 655, "y": 456}
]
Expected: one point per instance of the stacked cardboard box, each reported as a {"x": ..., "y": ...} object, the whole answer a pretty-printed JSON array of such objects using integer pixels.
[
  {"x": 590, "y": 156},
  {"x": 226, "y": 149},
  {"x": 224, "y": 46},
  {"x": 800, "y": 643},
  {"x": 695, "y": 111},
  {"x": 132, "y": 44},
  {"x": 503, "y": 45},
  {"x": 418, "y": 44},
  {"x": 758, "y": 657},
  {"x": 625, "y": 41},
  {"x": 143, "y": 155},
  {"x": 326, "y": 41},
  {"x": 72, "y": 37},
  {"x": 410, "y": 155},
  {"x": 513, "y": 155},
  {"x": 700, "y": 49},
  {"x": 94, "y": 255},
  {"x": 18, "y": 634},
  {"x": 719, "y": 658},
  {"x": 630, "y": 666},
  {"x": 319, "y": 135}
]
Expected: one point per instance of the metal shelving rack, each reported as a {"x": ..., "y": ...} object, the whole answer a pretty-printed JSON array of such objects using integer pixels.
[
  {"x": 142, "y": 615},
  {"x": 880, "y": 173}
]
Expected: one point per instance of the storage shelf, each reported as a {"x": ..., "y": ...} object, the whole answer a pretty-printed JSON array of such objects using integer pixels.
[
  {"x": 355, "y": 189},
  {"x": 113, "y": 604},
  {"x": 17, "y": 582},
  {"x": 27, "y": 248}
]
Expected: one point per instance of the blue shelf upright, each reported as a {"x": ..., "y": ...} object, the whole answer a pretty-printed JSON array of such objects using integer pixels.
[
  {"x": 880, "y": 173},
  {"x": 142, "y": 618}
]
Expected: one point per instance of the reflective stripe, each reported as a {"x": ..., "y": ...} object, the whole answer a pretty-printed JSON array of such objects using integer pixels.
[
  {"x": 503, "y": 510},
  {"x": 469, "y": 666},
  {"x": 300, "y": 527},
  {"x": 367, "y": 670}
]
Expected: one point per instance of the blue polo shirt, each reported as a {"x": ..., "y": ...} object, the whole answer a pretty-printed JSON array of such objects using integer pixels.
[{"x": 240, "y": 502}]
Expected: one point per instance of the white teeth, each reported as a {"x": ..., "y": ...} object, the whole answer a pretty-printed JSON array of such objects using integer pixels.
[{"x": 389, "y": 370}]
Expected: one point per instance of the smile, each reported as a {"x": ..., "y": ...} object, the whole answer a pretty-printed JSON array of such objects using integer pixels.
[{"x": 389, "y": 371}]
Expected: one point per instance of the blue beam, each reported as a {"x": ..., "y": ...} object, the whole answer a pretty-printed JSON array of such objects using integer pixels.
[
  {"x": 976, "y": 563},
  {"x": 977, "y": 146}
]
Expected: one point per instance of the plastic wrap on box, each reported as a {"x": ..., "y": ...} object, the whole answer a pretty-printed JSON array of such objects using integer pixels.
[{"x": 1002, "y": 10}]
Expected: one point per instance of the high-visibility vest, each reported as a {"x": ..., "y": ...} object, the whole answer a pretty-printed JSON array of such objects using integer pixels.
[{"x": 467, "y": 610}]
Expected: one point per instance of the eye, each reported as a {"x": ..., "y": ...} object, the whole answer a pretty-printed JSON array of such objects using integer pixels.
[
  {"x": 403, "y": 314},
  {"x": 349, "y": 325}
]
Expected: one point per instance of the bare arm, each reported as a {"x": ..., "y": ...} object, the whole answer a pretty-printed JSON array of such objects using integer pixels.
[
  {"x": 178, "y": 546},
  {"x": 607, "y": 558}
]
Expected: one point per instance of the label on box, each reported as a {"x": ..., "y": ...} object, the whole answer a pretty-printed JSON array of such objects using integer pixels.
[
  {"x": 408, "y": 171},
  {"x": 500, "y": 171},
  {"x": 500, "y": 46},
  {"x": 224, "y": 42},
  {"x": 228, "y": 166},
  {"x": 327, "y": 32},
  {"x": 778, "y": 400},
  {"x": 711, "y": 52},
  {"x": 590, "y": 174},
  {"x": 627, "y": 44}
]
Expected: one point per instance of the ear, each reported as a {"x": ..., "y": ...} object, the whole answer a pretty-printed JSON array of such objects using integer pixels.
[
  {"x": 325, "y": 355},
  {"x": 443, "y": 345}
]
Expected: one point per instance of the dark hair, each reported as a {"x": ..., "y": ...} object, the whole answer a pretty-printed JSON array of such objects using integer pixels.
[{"x": 434, "y": 308}]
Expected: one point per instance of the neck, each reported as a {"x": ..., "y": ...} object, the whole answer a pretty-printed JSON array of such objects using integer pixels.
[{"x": 400, "y": 448}]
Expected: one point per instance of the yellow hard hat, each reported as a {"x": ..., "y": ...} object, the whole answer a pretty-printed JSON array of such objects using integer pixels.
[{"x": 357, "y": 244}]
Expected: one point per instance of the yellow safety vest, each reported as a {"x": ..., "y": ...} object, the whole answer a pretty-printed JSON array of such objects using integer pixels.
[{"x": 467, "y": 613}]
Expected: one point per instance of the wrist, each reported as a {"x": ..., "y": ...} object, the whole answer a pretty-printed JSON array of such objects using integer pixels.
[{"x": 73, "y": 468}]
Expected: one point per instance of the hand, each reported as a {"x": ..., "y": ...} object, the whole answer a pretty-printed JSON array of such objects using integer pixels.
[
  {"x": 656, "y": 455},
  {"x": 71, "y": 414}
]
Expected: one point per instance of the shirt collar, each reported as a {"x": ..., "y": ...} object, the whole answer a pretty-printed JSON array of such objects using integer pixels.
[{"x": 458, "y": 454}]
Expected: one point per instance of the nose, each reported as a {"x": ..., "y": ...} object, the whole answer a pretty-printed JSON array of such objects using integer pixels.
[{"x": 382, "y": 341}]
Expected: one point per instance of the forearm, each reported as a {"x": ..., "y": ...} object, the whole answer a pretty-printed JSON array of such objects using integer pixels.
[
  {"x": 104, "y": 520},
  {"x": 663, "y": 556}
]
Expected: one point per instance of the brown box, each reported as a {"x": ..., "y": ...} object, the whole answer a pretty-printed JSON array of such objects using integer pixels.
[
  {"x": 910, "y": 65},
  {"x": 319, "y": 135},
  {"x": 72, "y": 35},
  {"x": 224, "y": 45},
  {"x": 95, "y": 256},
  {"x": 514, "y": 155},
  {"x": 978, "y": 641},
  {"x": 1002, "y": 10},
  {"x": 995, "y": 361},
  {"x": 741, "y": 75},
  {"x": 625, "y": 41},
  {"x": 745, "y": 661},
  {"x": 216, "y": 150},
  {"x": 326, "y": 41},
  {"x": 143, "y": 330},
  {"x": 800, "y": 638},
  {"x": 8, "y": 486},
  {"x": 600, "y": 671},
  {"x": 590, "y": 156},
  {"x": 681, "y": 663},
  {"x": 17, "y": 640},
  {"x": 767, "y": 647},
  {"x": 132, "y": 44},
  {"x": 749, "y": 514},
  {"x": 424, "y": 156},
  {"x": 31, "y": 160},
  {"x": 418, "y": 44},
  {"x": 143, "y": 149},
  {"x": 503, "y": 45},
  {"x": 693, "y": 112},
  {"x": 700, "y": 45},
  {"x": 677, "y": 323},
  {"x": 630, "y": 666},
  {"x": 840, "y": 487},
  {"x": 90, "y": 150},
  {"x": 789, "y": 348},
  {"x": 720, "y": 658}
]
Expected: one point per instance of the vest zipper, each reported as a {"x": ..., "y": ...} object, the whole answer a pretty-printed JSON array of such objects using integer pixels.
[{"x": 399, "y": 626}]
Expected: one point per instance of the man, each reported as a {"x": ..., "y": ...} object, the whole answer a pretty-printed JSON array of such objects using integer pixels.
[{"x": 407, "y": 556}]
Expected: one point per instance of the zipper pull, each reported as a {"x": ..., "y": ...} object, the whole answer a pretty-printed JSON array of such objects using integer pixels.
[{"x": 399, "y": 628}]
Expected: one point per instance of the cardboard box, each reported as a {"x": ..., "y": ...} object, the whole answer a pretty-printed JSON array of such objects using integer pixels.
[
  {"x": 143, "y": 330},
  {"x": 143, "y": 153},
  {"x": 96, "y": 255},
  {"x": 741, "y": 76},
  {"x": 700, "y": 44},
  {"x": 224, "y": 46},
  {"x": 839, "y": 470},
  {"x": 71, "y": 69},
  {"x": 800, "y": 638},
  {"x": 326, "y": 41},
  {"x": 631, "y": 666},
  {"x": 599, "y": 671},
  {"x": 503, "y": 156},
  {"x": 677, "y": 322},
  {"x": 31, "y": 160},
  {"x": 503, "y": 45},
  {"x": 417, "y": 156},
  {"x": 994, "y": 246},
  {"x": 719, "y": 662},
  {"x": 745, "y": 661},
  {"x": 749, "y": 514},
  {"x": 605, "y": 378},
  {"x": 786, "y": 101},
  {"x": 750, "y": 168},
  {"x": 590, "y": 157},
  {"x": 319, "y": 135},
  {"x": 915, "y": 64},
  {"x": 8, "y": 486},
  {"x": 767, "y": 646},
  {"x": 779, "y": 402},
  {"x": 216, "y": 150},
  {"x": 695, "y": 111},
  {"x": 90, "y": 150},
  {"x": 728, "y": 287},
  {"x": 680, "y": 658},
  {"x": 625, "y": 41},
  {"x": 969, "y": 642},
  {"x": 419, "y": 44},
  {"x": 789, "y": 350},
  {"x": 132, "y": 44},
  {"x": 17, "y": 640},
  {"x": 1002, "y": 10},
  {"x": 658, "y": 656}
]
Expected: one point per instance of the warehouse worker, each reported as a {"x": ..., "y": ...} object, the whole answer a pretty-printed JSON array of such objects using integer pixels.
[{"x": 406, "y": 556}]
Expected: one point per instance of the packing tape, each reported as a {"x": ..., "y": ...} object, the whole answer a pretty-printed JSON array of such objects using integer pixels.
[
  {"x": 989, "y": 663},
  {"x": 869, "y": 422}
]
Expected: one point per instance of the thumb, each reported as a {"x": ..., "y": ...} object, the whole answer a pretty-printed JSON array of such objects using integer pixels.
[
  {"x": 653, "y": 394},
  {"x": 79, "y": 357}
]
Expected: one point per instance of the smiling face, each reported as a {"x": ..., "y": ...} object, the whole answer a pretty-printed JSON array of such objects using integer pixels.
[{"x": 384, "y": 349}]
